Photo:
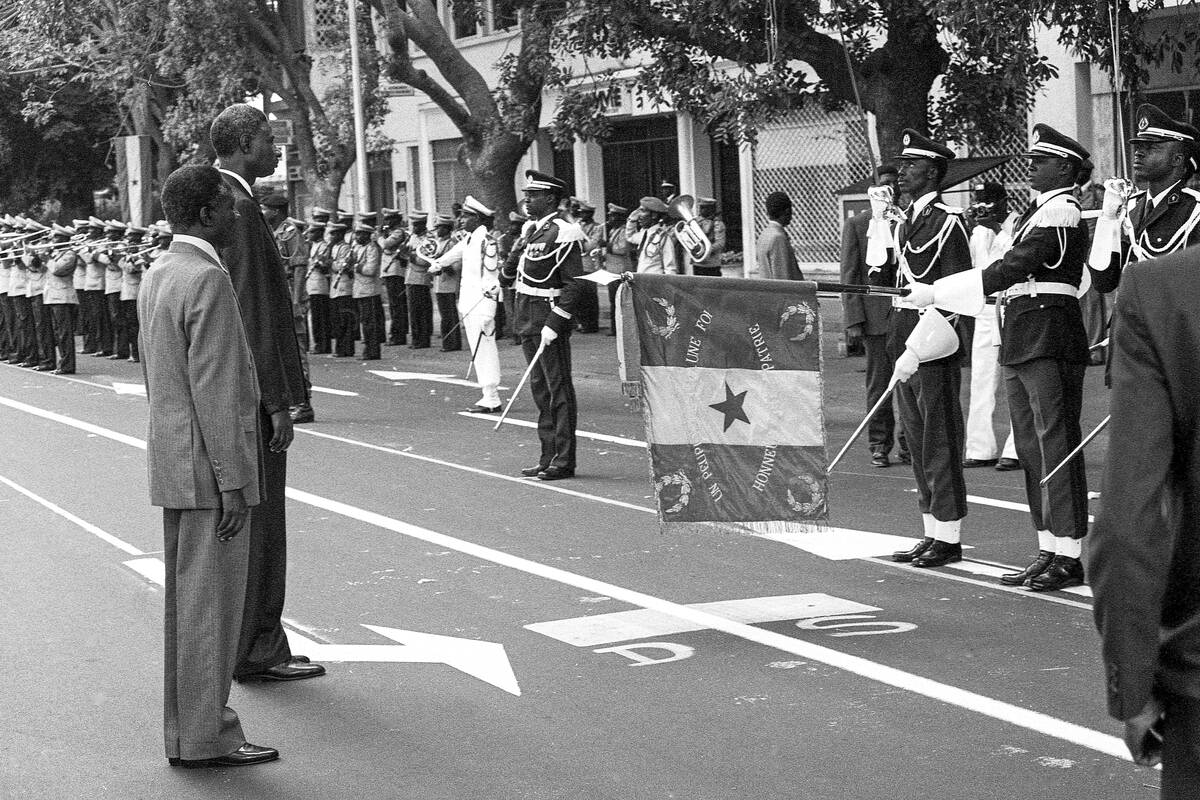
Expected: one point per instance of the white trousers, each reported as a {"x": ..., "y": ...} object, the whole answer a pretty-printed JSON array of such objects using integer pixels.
[
  {"x": 985, "y": 373},
  {"x": 479, "y": 326}
]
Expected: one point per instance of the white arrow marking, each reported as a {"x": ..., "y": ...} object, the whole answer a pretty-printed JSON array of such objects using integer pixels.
[
  {"x": 129, "y": 388},
  {"x": 425, "y": 376},
  {"x": 625, "y": 626},
  {"x": 486, "y": 661},
  {"x": 338, "y": 392},
  {"x": 600, "y": 437}
]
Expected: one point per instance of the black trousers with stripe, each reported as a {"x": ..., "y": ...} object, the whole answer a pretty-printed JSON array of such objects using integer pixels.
[{"x": 929, "y": 408}]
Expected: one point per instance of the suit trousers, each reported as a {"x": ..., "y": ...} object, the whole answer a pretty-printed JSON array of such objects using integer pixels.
[
  {"x": 7, "y": 348},
  {"x": 263, "y": 643},
  {"x": 85, "y": 326},
  {"x": 62, "y": 317},
  {"x": 1045, "y": 397},
  {"x": 588, "y": 314},
  {"x": 1181, "y": 748},
  {"x": 510, "y": 311},
  {"x": 43, "y": 327},
  {"x": 397, "y": 309},
  {"x": 118, "y": 344},
  {"x": 345, "y": 324},
  {"x": 420, "y": 314},
  {"x": 447, "y": 303},
  {"x": 370, "y": 309},
  {"x": 25, "y": 338},
  {"x": 322, "y": 324},
  {"x": 205, "y": 589},
  {"x": 933, "y": 425},
  {"x": 129, "y": 321},
  {"x": 101, "y": 324},
  {"x": 554, "y": 395},
  {"x": 881, "y": 430},
  {"x": 481, "y": 337},
  {"x": 985, "y": 372}
]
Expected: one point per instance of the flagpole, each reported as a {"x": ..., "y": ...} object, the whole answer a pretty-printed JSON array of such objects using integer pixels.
[{"x": 360, "y": 132}]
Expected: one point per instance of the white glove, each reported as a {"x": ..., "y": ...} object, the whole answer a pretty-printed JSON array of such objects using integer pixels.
[
  {"x": 920, "y": 294},
  {"x": 435, "y": 270},
  {"x": 548, "y": 335},
  {"x": 906, "y": 366},
  {"x": 1116, "y": 192},
  {"x": 881, "y": 198}
]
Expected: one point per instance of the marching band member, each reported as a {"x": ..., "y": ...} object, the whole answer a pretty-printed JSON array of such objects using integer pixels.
[
  {"x": 99, "y": 336},
  {"x": 714, "y": 229},
  {"x": 1043, "y": 352},
  {"x": 543, "y": 268},
  {"x": 477, "y": 256},
  {"x": 647, "y": 230},
  {"x": 593, "y": 260},
  {"x": 61, "y": 299},
  {"x": 422, "y": 246},
  {"x": 393, "y": 240},
  {"x": 316, "y": 285},
  {"x": 367, "y": 260},
  {"x": 341, "y": 290},
  {"x": 616, "y": 255},
  {"x": 133, "y": 264},
  {"x": 43, "y": 327},
  {"x": 445, "y": 280},
  {"x": 117, "y": 345},
  {"x": 24, "y": 338},
  {"x": 930, "y": 242}
]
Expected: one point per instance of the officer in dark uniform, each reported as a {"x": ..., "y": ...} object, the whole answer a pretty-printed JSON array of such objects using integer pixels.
[
  {"x": 1043, "y": 353},
  {"x": 1156, "y": 221},
  {"x": 543, "y": 269},
  {"x": 930, "y": 243}
]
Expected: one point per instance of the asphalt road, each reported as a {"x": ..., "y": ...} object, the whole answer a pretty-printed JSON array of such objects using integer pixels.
[{"x": 623, "y": 663}]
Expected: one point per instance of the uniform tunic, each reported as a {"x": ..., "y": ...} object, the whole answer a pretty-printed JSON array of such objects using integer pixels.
[{"x": 477, "y": 258}]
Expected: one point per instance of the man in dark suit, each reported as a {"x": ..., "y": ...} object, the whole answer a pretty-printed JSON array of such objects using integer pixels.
[
  {"x": 245, "y": 148},
  {"x": 1043, "y": 353},
  {"x": 930, "y": 243},
  {"x": 867, "y": 319},
  {"x": 203, "y": 463},
  {"x": 1144, "y": 555}
]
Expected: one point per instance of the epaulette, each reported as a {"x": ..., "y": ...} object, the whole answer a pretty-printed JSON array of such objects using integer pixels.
[
  {"x": 1060, "y": 211},
  {"x": 568, "y": 231},
  {"x": 1194, "y": 194},
  {"x": 948, "y": 209}
]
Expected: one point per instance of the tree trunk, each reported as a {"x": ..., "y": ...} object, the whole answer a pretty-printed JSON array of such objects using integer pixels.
[
  {"x": 899, "y": 76},
  {"x": 493, "y": 168}
]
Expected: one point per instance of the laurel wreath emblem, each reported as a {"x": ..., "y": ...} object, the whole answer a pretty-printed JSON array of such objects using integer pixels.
[
  {"x": 672, "y": 325},
  {"x": 676, "y": 478},
  {"x": 810, "y": 318},
  {"x": 816, "y": 498}
]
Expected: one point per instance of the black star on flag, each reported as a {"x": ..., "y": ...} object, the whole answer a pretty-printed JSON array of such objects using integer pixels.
[{"x": 732, "y": 407}]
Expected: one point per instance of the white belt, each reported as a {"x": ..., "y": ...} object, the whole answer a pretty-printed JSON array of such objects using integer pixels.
[
  {"x": 523, "y": 288},
  {"x": 1033, "y": 288}
]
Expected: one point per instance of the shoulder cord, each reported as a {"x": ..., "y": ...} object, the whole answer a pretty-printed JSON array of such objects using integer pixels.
[
  {"x": 1145, "y": 251},
  {"x": 941, "y": 239}
]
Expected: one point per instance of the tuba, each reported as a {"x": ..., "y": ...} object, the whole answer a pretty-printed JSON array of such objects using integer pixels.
[{"x": 688, "y": 231}]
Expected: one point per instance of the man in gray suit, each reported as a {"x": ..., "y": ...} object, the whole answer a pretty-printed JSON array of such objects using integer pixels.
[{"x": 203, "y": 460}]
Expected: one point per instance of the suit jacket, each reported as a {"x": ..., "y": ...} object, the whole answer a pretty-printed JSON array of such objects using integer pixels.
[
  {"x": 1155, "y": 231},
  {"x": 201, "y": 383},
  {"x": 1050, "y": 245},
  {"x": 873, "y": 313},
  {"x": 774, "y": 255},
  {"x": 934, "y": 245},
  {"x": 266, "y": 305},
  {"x": 1144, "y": 552}
]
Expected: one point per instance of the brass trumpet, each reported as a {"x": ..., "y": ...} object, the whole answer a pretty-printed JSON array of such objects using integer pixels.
[{"x": 688, "y": 231}]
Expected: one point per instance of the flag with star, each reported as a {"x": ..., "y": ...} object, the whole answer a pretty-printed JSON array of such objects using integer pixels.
[{"x": 731, "y": 391}]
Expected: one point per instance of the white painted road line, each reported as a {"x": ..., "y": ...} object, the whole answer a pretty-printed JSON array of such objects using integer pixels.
[
  {"x": 67, "y": 515},
  {"x": 600, "y": 437},
  {"x": 338, "y": 392},
  {"x": 871, "y": 670},
  {"x": 1016, "y": 591},
  {"x": 475, "y": 470},
  {"x": 1007, "y": 504},
  {"x": 152, "y": 569}
]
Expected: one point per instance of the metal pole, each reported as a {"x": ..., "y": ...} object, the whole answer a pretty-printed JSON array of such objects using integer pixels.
[{"x": 360, "y": 129}]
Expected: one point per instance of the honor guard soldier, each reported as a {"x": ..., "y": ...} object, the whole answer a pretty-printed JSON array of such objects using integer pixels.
[
  {"x": 418, "y": 283},
  {"x": 648, "y": 231},
  {"x": 316, "y": 286},
  {"x": 477, "y": 258},
  {"x": 544, "y": 270},
  {"x": 341, "y": 289},
  {"x": 930, "y": 242},
  {"x": 367, "y": 261},
  {"x": 1043, "y": 352},
  {"x": 1159, "y": 220},
  {"x": 393, "y": 240},
  {"x": 61, "y": 298}
]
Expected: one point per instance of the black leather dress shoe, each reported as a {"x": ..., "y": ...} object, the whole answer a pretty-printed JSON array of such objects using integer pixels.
[
  {"x": 979, "y": 462},
  {"x": 1007, "y": 464},
  {"x": 1062, "y": 573},
  {"x": 244, "y": 756},
  {"x": 287, "y": 671},
  {"x": 880, "y": 459},
  {"x": 904, "y": 457},
  {"x": 939, "y": 554},
  {"x": 487, "y": 410},
  {"x": 43, "y": 368},
  {"x": 905, "y": 556},
  {"x": 63, "y": 372},
  {"x": 28, "y": 364},
  {"x": 295, "y": 659},
  {"x": 102, "y": 354},
  {"x": 553, "y": 473},
  {"x": 531, "y": 472},
  {"x": 1039, "y": 565}
]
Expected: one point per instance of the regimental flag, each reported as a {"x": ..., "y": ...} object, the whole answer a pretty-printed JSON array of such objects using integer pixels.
[{"x": 731, "y": 383}]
